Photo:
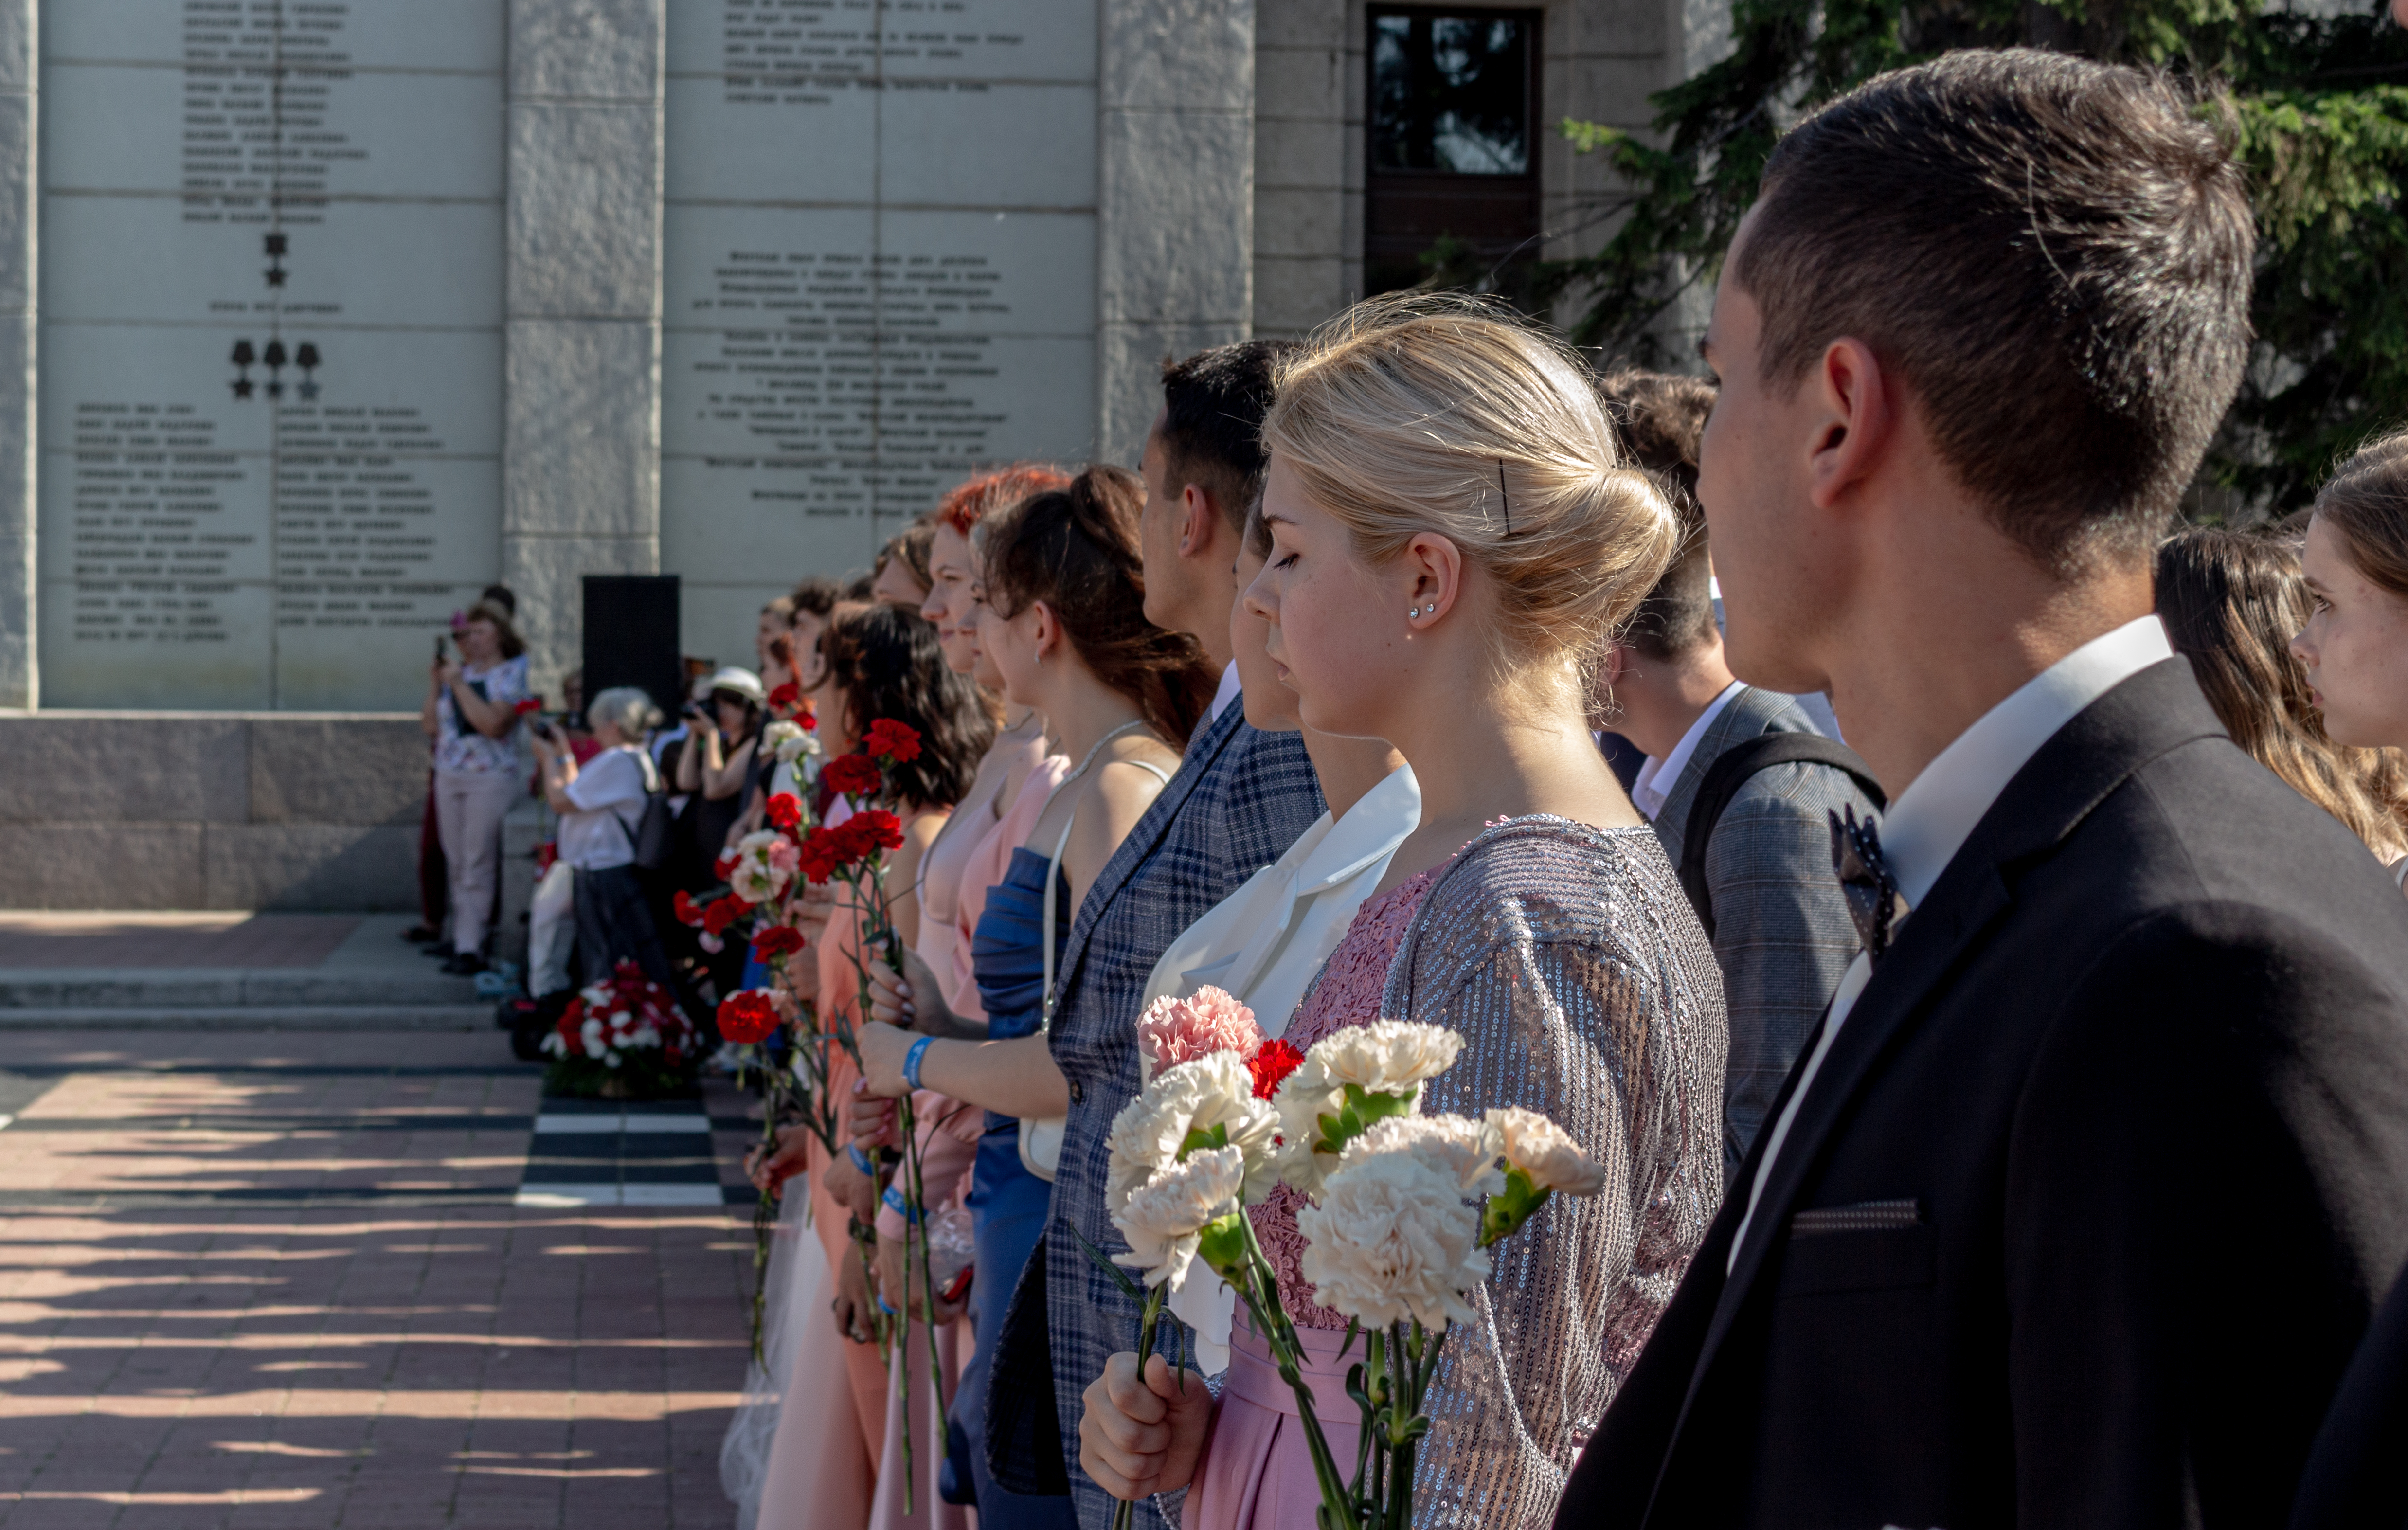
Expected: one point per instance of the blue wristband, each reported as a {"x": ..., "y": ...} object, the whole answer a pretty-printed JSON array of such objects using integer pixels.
[
  {"x": 892, "y": 1201},
  {"x": 912, "y": 1061},
  {"x": 889, "y": 1308},
  {"x": 862, "y": 1161}
]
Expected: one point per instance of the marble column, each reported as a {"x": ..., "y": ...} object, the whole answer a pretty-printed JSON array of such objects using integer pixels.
[
  {"x": 20, "y": 202},
  {"x": 581, "y": 432},
  {"x": 1174, "y": 199}
]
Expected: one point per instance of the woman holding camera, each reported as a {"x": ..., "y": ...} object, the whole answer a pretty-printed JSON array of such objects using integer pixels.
[{"x": 471, "y": 713}]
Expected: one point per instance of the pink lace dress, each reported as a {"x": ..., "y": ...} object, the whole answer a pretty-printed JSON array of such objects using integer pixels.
[{"x": 1256, "y": 1473}]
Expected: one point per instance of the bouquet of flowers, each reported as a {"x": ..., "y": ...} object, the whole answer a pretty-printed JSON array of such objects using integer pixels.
[
  {"x": 1403, "y": 1209},
  {"x": 624, "y": 1039}
]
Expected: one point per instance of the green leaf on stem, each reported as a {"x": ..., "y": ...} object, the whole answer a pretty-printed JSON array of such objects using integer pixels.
[{"x": 1104, "y": 1262}]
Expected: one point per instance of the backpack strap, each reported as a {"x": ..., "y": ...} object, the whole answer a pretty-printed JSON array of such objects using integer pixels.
[{"x": 1735, "y": 766}]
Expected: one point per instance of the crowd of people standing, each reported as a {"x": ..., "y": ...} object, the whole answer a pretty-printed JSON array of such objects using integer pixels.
[{"x": 1986, "y": 1000}]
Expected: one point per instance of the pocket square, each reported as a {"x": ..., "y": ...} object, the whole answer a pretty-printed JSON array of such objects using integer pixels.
[{"x": 1861, "y": 1217}]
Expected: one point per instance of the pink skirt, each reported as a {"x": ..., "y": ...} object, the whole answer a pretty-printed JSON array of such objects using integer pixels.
[{"x": 1257, "y": 1471}]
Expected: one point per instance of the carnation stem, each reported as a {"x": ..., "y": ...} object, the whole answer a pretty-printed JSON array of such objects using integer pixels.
[{"x": 1149, "y": 1317}]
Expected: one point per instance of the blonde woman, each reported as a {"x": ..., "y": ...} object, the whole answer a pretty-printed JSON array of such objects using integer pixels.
[{"x": 1454, "y": 531}]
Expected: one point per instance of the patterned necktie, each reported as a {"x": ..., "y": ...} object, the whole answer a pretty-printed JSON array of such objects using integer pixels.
[{"x": 1864, "y": 877}]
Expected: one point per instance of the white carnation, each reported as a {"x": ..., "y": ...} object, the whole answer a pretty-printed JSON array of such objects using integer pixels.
[
  {"x": 789, "y": 741},
  {"x": 1463, "y": 1150},
  {"x": 1386, "y": 1057},
  {"x": 1214, "y": 1089},
  {"x": 1163, "y": 1217},
  {"x": 1544, "y": 1151},
  {"x": 1391, "y": 1238}
]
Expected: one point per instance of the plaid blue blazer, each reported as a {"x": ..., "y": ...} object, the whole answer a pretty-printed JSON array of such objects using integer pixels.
[{"x": 1239, "y": 799}]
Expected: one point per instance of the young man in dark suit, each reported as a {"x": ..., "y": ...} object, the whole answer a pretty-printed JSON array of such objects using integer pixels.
[{"x": 2085, "y": 1189}]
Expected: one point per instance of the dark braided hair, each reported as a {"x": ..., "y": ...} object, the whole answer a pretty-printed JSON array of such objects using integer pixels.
[
  {"x": 885, "y": 660},
  {"x": 1076, "y": 550}
]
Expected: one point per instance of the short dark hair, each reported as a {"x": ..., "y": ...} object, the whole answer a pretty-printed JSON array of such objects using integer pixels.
[
  {"x": 1214, "y": 404},
  {"x": 1660, "y": 418},
  {"x": 886, "y": 658},
  {"x": 2054, "y": 254},
  {"x": 817, "y": 595}
]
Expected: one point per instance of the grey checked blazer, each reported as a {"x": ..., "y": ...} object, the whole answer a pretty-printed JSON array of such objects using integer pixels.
[
  {"x": 1782, "y": 931},
  {"x": 1239, "y": 799}
]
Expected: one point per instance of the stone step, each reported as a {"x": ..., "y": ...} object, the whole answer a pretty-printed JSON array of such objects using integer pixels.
[
  {"x": 274, "y": 1017},
  {"x": 204, "y": 988}
]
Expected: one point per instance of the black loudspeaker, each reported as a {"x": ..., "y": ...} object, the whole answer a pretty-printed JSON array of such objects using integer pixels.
[{"x": 631, "y": 637}]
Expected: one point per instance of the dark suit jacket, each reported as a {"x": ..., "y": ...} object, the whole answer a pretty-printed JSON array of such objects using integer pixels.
[
  {"x": 2093, "y": 1194},
  {"x": 2357, "y": 1475}
]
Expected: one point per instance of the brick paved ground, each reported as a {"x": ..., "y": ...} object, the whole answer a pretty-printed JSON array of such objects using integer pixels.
[{"x": 277, "y": 1280}]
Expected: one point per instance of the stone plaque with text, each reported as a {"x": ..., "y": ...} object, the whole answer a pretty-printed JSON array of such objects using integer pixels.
[
  {"x": 880, "y": 274},
  {"x": 271, "y": 346}
]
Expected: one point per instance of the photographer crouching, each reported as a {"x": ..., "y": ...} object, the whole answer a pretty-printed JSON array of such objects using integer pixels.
[{"x": 601, "y": 806}]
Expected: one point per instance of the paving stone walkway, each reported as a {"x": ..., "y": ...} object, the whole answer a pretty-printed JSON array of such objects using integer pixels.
[{"x": 285, "y": 1279}]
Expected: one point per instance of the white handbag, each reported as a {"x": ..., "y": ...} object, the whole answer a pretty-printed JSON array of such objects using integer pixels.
[{"x": 1040, "y": 1137}]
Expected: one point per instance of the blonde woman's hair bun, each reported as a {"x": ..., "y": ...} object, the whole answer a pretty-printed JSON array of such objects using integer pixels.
[{"x": 1447, "y": 413}]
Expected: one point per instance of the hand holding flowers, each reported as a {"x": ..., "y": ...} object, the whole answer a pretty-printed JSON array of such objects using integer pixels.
[{"x": 1404, "y": 1206}]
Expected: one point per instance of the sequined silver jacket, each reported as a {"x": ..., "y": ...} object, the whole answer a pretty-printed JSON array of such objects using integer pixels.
[{"x": 1585, "y": 989}]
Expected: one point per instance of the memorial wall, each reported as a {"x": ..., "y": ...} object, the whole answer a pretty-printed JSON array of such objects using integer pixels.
[
  {"x": 880, "y": 256},
  {"x": 273, "y": 305},
  {"x": 271, "y": 346}
]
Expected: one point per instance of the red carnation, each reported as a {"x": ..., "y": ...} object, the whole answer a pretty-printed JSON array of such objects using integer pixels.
[
  {"x": 785, "y": 811},
  {"x": 776, "y": 941},
  {"x": 527, "y": 704},
  {"x": 1271, "y": 1066},
  {"x": 785, "y": 698},
  {"x": 855, "y": 775},
  {"x": 721, "y": 913},
  {"x": 747, "y": 1017},
  {"x": 726, "y": 864},
  {"x": 891, "y": 741},
  {"x": 823, "y": 852},
  {"x": 687, "y": 913},
  {"x": 877, "y": 829}
]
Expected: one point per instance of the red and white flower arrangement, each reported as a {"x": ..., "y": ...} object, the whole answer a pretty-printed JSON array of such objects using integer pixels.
[
  {"x": 1403, "y": 1209},
  {"x": 624, "y": 1037}
]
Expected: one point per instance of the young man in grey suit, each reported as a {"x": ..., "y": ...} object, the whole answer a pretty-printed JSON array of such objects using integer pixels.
[
  {"x": 1241, "y": 798},
  {"x": 1773, "y": 905},
  {"x": 2083, "y": 1191}
]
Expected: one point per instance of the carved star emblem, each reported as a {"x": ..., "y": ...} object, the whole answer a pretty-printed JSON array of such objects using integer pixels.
[
  {"x": 275, "y": 276},
  {"x": 242, "y": 387}
]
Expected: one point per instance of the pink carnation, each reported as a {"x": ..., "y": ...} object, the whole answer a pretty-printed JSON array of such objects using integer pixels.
[
  {"x": 785, "y": 855},
  {"x": 1175, "y": 1031}
]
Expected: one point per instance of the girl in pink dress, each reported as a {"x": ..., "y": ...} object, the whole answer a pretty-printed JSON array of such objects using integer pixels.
[{"x": 1454, "y": 534}]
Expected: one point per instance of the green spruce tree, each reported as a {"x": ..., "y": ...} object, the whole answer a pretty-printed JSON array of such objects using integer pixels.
[{"x": 2315, "y": 104}]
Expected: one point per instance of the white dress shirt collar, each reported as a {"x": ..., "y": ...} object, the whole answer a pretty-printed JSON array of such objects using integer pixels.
[
  {"x": 1657, "y": 777},
  {"x": 1227, "y": 692},
  {"x": 1923, "y": 829},
  {"x": 1928, "y": 824}
]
